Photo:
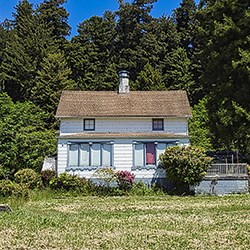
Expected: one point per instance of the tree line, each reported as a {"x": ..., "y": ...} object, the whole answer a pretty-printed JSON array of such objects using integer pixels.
[{"x": 203, "y": 49}]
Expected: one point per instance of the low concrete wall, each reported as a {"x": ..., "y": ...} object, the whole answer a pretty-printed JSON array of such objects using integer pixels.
[{"x": 223, "y": 186}]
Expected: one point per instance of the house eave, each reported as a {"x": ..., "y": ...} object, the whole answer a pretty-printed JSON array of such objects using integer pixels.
[
  {"x": 89, "y": 136},
  {"x": 125, "y": 116}
]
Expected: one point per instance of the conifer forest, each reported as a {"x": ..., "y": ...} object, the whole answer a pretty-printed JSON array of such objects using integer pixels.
[{"x": 201, "y": 48}]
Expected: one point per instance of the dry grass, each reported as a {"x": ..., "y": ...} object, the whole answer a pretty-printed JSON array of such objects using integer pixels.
[{"x": 128, "y": 223}]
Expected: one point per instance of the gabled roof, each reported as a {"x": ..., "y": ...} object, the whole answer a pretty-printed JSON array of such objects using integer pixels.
[{"x": 133, "y": 104}]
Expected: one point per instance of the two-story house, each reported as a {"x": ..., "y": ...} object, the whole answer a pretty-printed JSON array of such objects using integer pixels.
[{"x": 124, "y": 130}]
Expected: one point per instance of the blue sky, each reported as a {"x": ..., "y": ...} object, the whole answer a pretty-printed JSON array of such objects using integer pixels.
[{"x": 83, "y": 9}]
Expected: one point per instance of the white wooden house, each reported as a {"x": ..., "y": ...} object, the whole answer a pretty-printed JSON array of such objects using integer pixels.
[{"x": 124, "y": 130}]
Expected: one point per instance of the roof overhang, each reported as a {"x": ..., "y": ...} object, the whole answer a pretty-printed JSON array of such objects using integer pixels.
[{"x": 151, "y": 135}]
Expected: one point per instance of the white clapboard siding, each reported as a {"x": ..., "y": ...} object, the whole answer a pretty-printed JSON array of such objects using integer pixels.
[
  {"x": 124, "y": 125},
  {"x": 171, "y": 125},
  {"x": 123, "y": 154},
  {"x": 176, "y": 126},
  {"x": 62, "y": 154},
  {"x": 123, "y": 159},
  {"x": 69, "y": 126}
]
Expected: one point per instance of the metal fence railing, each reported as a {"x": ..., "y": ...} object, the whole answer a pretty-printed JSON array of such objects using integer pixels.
[{"x": 237, "y": 169}]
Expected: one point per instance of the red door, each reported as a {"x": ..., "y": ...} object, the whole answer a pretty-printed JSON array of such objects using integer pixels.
[{"x": 150, "y": 154}]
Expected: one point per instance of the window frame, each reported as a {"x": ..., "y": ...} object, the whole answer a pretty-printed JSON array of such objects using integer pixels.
[
  {"x": 154, "y": 127},
  {"x": 144, "y": 143},
  {"x": 156, "y": 151},
  {"x": 84, "y": 124},
  {"x": 90, "y": 144}
]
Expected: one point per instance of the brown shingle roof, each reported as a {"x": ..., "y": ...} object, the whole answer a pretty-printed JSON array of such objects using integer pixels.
[
  {"x": 133, "y": 104},
  {"x": 149, "y": 135}
]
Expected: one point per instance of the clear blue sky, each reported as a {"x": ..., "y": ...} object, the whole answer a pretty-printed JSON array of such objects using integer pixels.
[{"x": 83, "y": 9}]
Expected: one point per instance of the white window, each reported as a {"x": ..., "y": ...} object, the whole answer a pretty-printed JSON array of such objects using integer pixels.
[
  {"x": 148, "y": 153},
  {"x": 95, "y": 154},
  {"x": 160, "y": 149},
  {"x": 90, "y": 154},
  {"x": 73, "y": 155},
  {"x": 84, "y": 154},
  {"x": 106, "y": 155},
  {"x": 144, "y": 153},
  {"x": 139, "y": 154}
]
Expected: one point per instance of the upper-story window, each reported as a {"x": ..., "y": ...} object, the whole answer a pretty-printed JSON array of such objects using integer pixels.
[
  {"x": 89, "y": 124},
  {"x": 158, "y": 124}
]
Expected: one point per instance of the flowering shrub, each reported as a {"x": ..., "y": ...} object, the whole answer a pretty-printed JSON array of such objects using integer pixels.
[{"x": 125, "y": 180}]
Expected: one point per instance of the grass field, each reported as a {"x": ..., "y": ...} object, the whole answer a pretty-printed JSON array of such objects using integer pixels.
[{"x": 163, "y": 222}]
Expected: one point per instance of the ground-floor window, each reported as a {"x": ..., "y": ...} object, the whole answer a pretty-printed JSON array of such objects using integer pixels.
[
  {"x": 90, "y": 154},
  {"x": 147, "y": 153}
]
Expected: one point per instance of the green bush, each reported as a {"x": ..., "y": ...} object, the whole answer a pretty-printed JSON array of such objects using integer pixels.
[
  {"x": 9, "y": 188},
  {"x": 4, "y": 173},
  {"x": 29, "y": 178},
  {"x": 47, "y": 176},
  {"x": 107, "y": 177},
  {"x": 185, "y": 166},
  {"x": 68, "y": 182}
]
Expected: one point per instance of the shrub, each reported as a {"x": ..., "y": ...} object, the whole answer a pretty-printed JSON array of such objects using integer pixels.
[
  {"x": 68, "y": 182},
  {"x": 4, "y": 173},
  {"x": 125, "y": 180},
  {"x": 9, "y": 188},
  {"x": 29, "y": 178},
  {"x": 185, "y": 166},
  {"x": 106, "y": 176},
  {"x": 47, "y": 176}
]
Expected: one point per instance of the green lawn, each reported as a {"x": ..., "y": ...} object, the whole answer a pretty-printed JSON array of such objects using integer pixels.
[{"x": 162, "y": 222}]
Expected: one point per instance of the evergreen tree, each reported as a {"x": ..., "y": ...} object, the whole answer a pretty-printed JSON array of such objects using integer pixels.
[
  {"x": 149, "y": 79},
  {"x": 30, "y": 42},
  {"x": 5, "y": 33},
  {"x": 91, "y": 54},
  {"x": 224, "y": 37},
  {"x": 132, "y": 27},
  {"x": 177, "y": 73},
  {"x": 187, "y": 25},
  {"x": 186, "y": 21},
  {"x": 51, "y": 79},
  {"x": 55, "y": 16},
  {"x": 199, "y": 131}
]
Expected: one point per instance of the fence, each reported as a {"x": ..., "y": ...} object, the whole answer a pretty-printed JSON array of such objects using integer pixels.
[{"x": 237, "y": 170}]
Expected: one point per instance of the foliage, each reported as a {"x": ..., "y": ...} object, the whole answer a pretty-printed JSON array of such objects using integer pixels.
[
  {"x": 68, "y": 182},
  {"x": 185, "y": 166},
  {"x": 106, "y": 176},
  {"x": 224, "y": 38},
  {"x": 52, "y": 77},
  {"x": 9, "y": 188},
  {"x": 125, "y": 180},
  {"x": 141, "y": 189},
  {"x": 47, "y": 176},
  {"x": 55, "y": 16},
  {"x": 204, "y": 50},
  {"x": 24, "y": 139},
  {"x": 199, "y": 131},
  {"x": 29, "y": 178}
]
